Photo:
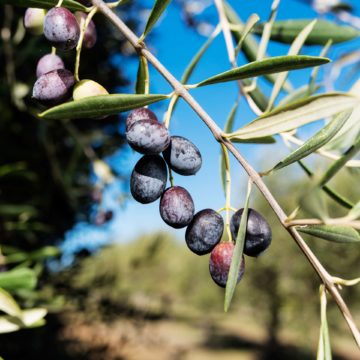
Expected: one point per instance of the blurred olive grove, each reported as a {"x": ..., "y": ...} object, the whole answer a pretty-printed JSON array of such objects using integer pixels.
[{"x": 149, "y": 298}]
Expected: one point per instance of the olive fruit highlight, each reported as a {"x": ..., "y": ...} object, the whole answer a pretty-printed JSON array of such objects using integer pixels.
[
  {"x": 148, "y": 137},
  {"x": 220, "y": 261},
  {"x": 54, "y": 87},
  {"x": 34, "y": 20},
  {"x": 47, "y": 63},
  {"x": 176, "y": 207},
  {"x": 258, "y": 232},
  {"x": 139, "y": 114},
  {"x": 90, "y": 35},
  {"x": 204, "y": 231},
  {"x": 148, "y": 179},
  {"x": 183, "y": 156},
  {"x": 61, "y": 28}
]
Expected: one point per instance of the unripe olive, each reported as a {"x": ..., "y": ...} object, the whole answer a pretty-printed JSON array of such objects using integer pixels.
[
  {"x": 34, "y": 20},
  {"x": 87, "y": 88},
  {"x": 220, "y": 261},
  {"x": 61, "y": 28}
]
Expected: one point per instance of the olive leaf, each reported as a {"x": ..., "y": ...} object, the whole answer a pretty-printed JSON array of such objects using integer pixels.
[
  {"x": 142, "y": 78},
  {"x": 28, "y": 318},
  {"x": 341, "y": 162},
  {"x": 266, "y": 66},
  {"x": 299, "y": 113},
  {"x": 249, "y": 46},
  {"x": 314, "y": 203},
  {"x": 248, "y": 26},
  {"x": 334, "y": 233},
  {"x": 237, "y": 254},
  {"x": 157, "y": 10},
  {"x": 340, "y": 199},
  {"x": 316, "y": 141},
  {"x": 260, "y": 140},
  {"x": 45, "y": 4},
  {"x": 21, "y": 278},
  {"x": 95, "y": 106},
  {"x": 301, "y": 93},
  {"x": 324, "y": 347},
  {"x": 228, "y": 127},
  {"x": 257, "y": 96},
  {"x": 285, "y": 31},
  {"x": 294, "y": 50},
  {"x": 8, "y": 305}
]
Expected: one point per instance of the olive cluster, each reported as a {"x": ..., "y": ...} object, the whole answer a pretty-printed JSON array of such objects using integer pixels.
[
  {"x": 55, "y": 84},
  {"x": 146, "y": 135}
]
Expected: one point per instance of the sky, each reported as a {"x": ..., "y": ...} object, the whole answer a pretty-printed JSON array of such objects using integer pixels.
[{"x": 175, "y": 44}]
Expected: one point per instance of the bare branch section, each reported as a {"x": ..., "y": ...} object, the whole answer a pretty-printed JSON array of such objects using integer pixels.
[{"x": 179, "y": 88}]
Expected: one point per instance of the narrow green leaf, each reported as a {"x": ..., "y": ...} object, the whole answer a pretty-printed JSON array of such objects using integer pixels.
[
  {"x": 267, "y": 66},
  {"x": 95, "y": 106},
  {"x": 261, "y": 140},
  {"x": 324, "y": 348},
  {"x": 297, "y": 114},
  {"x": 341, "y": 200},
  {"x": 28, "y": 318},
  {"x": 250, "y": 47},
  {"x": 340, "y": 163},
  {"x": 237, "y": 254},
  {"x": 334, "y": 233},
  {"x": 301, "y": 93},
  {"x": 157, "y": 10},
  {"x": 257, "y": 96},
  {"x": 248, "y": 26},
  {"x": 8, "y": 305},
  {"x": 229, "y": 124},
  {"x": 195, "y": 60},
  {"x": 314, "y": 203},
  {"x": 285, "y": 31},
  {"x": 44, "y": 253},
  {"x": 228, "y": 127},
  {"x": 294, "y": 50},
  {"x": 16, "y": 279},
  {"x": 315, "y": 71},
  {"x": 45, "y": 4},
  {"x": 142, "y": 78},
  {"x": 316, "y": 141}
]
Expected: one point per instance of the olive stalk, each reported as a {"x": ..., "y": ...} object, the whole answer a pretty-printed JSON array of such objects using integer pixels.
[{"x": 179, "y": 88}]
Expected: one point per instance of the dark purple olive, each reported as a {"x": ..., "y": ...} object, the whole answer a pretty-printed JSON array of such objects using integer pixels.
[
  {"x": 54, "y": 87},
  {"x": 204, "y": 231},
  {"x": 139, "y": 114},
  {"x": 148, "y": 179},
  {"x": 220, "y": 261},
  {"x": 258, "y": 232},
  {"x": 34, "y": 20},
  {"x": 90, "y": 35},
  {"x": 176, "y": 207},
  {"x": 183, "y": 156},
  {"x": 61, "y": 28},
  {"x": 47, "y": 63},
  {"x": 148, "y": 137}
]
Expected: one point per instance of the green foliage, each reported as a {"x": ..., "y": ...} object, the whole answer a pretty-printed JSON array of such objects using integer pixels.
[
  {"x": 45, "y": 4},
  {"x": 285, "y": 31},
  {"x": 271, "y": 65}
]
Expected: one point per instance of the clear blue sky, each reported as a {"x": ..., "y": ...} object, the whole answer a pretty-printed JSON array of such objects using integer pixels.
[{"x": 175, "y": 44}]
